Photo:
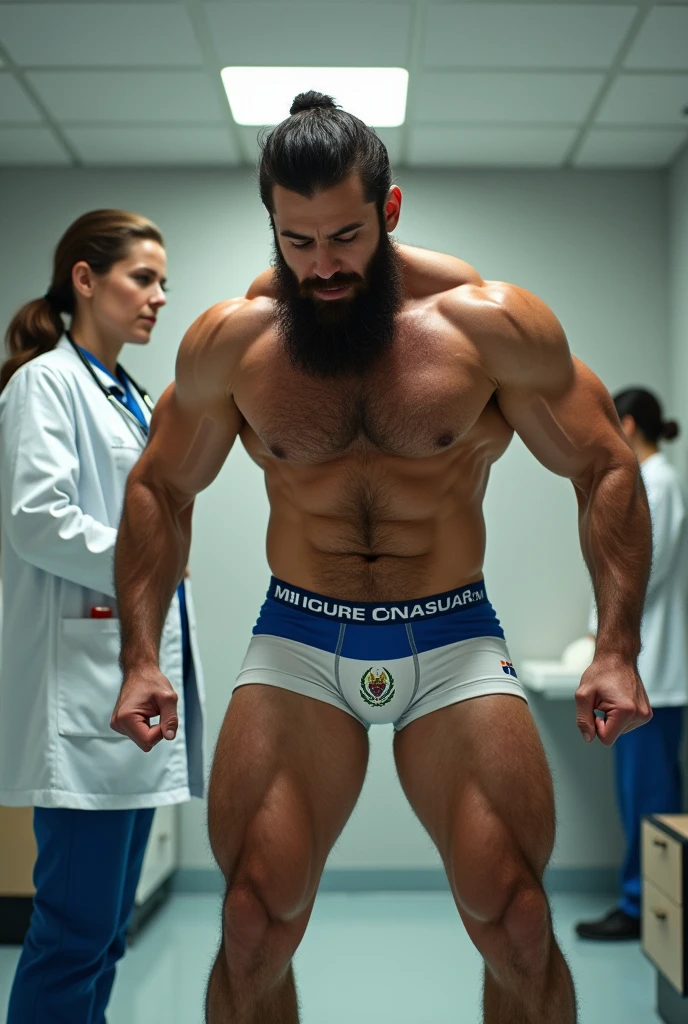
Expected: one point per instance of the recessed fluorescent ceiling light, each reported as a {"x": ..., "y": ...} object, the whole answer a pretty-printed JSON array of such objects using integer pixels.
[{"x": 261, "y": 96}]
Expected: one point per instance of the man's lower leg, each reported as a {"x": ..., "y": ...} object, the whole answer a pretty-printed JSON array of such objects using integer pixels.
[
  {"x": 232, "y": 1002},
  {"x": 550, "y": 999}
]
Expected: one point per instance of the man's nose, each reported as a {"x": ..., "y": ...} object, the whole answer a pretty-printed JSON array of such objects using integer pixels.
[{"x": 324, "y": 265}]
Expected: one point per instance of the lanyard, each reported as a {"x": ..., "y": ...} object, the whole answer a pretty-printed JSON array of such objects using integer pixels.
[{"x": 121, "y": 408}]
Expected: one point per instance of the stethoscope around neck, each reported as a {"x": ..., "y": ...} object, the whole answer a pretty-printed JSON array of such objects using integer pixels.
[{"x": 121, "y": 409}]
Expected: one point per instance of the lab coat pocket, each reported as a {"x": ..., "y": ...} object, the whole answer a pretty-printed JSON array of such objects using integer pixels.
[{"x": 88, "y": 676}]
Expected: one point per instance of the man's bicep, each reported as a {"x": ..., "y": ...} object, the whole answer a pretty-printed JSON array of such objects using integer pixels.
[
  {"x": 196, "y": 422},
  {"x": 189, "y": 443},
  {"x": 570, "y": 426}
]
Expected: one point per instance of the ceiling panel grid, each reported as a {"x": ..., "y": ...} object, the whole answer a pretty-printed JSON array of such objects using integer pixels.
[{"x": 552, "y": 83}]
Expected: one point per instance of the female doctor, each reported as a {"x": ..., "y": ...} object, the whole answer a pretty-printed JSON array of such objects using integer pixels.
[
  {"x": 647, "y": 761},
  {"x": 72, "y": 424}
]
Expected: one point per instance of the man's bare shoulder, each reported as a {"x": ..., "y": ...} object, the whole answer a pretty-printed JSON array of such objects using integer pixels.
[
  {"x": 263, "y": 286},
  {"x": 518, "y": 337},
  {"x": 427, "y": 272},
  {"x": 424, "y": 271},
  {"x": 214, "y": 344}
]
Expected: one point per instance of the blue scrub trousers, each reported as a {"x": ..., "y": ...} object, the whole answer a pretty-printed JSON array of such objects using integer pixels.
[
  {"x": 86, "y": 876},
  {"x": 648, "y": 781}
]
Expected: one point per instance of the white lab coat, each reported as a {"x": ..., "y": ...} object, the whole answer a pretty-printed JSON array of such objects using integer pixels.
[
  {"x": 65, "y": 454},
  {"x": 663, "y": 661}
]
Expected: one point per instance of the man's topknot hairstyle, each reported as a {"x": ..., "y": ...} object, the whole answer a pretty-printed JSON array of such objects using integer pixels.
[
  {"x": 311, "y": 101},
  {"x": 317, "y": 147}
]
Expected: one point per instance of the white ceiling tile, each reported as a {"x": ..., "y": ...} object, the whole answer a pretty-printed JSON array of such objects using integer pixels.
[
  {"x": 632, "y": 147},
  {"x": 138, "y": 147},
  {"x": 99, "y": 35},
  {"x": 609, "y": 147},
  {"x": 311, "y": 3},
  {"x": 29, "y": 146},
  {"x": 309, "y": 35},
  {"x": 525, "y": 35},
  {"x": 84, "y": 3},
  {"x": 662, "y": 43},
  {"x": 454, "y": 96},
  {"x": 489, "y": 147},
  {"x": 15, "y": 105},
  {"x": 646, "y": 99},
  {"x": 148, "y": 96}
]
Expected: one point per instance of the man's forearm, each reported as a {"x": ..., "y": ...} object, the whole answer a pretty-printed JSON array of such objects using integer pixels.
[
  {"x": 616, "y": 540},
  {"x": 150, "y": 558}
]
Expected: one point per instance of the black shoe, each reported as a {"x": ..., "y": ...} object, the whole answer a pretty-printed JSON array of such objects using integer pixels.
[{"x": 617, "y": 926}]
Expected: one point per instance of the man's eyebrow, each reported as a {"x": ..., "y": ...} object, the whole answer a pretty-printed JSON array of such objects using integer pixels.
[{"x": 335, "y": 234}]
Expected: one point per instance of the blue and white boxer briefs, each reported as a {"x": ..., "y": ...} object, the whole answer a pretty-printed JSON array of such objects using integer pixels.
[{"x": 381, "y": 662}]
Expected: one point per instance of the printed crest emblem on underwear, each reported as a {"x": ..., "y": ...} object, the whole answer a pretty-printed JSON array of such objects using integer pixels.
[{"x": 377, "y": 688}]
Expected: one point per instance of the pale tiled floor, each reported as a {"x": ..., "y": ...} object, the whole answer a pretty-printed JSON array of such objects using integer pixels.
[{"x": 366, "y": 959}]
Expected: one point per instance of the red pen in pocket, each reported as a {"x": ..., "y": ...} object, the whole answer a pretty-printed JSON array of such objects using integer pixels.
[{"x": 101, "y": 612}]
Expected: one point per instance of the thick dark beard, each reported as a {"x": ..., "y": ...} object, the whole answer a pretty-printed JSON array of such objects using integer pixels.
[{"x": 342, "y": 337}]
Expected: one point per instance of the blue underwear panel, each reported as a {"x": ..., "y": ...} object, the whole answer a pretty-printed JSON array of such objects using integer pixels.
[{"x": 381, "y": 630}]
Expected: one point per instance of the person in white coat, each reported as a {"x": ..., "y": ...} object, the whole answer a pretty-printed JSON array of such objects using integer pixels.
[
  {"x": 72, "y": 424},
  {"x": 647, "y": 761}
]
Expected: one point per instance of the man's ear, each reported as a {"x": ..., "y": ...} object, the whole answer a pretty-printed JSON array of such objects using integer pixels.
[{"x": 392, "y": 208}]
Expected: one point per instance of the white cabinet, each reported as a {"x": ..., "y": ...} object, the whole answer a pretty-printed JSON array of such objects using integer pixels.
[
  {"x": 552, "y": 679},
  {"x": 559, "y": 680}
]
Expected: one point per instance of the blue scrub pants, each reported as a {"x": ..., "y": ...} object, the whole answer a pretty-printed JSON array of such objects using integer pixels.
[
  {"x": 86, "y": 876},
  {"x": 648, "y": 781}
]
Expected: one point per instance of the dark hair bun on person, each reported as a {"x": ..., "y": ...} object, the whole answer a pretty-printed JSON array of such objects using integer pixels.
[
  {"x": 320, "y": 147},
  {"x": 646, "y": 410},
  {"x": 310, "y": 100},
  {"x": 670, "y": 430}
]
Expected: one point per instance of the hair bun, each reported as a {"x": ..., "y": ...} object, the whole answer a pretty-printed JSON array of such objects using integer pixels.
[
  {"x": 670, "y": 430},
  {"x": 311, "y": 100}
]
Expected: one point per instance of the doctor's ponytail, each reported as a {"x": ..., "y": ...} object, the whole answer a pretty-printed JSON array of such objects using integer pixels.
[{"x": 100, "y": 238}]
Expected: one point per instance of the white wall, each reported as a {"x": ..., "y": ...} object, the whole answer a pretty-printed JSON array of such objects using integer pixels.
[
  {"x": 678, "y": 243},
  {"x": 593, "y": 245},
  {"x": 677, "y": 406}
]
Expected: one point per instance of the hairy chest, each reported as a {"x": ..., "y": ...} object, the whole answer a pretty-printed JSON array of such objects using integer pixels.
[{"x": 420, "y": 400}]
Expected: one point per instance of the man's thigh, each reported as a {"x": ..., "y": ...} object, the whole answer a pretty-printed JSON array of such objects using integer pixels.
[
  {"x": 286, "y": 775},
  {"x": 477, "y": 777}
]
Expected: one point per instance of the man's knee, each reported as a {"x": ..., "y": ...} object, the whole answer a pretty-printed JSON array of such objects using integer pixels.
[
  {"x": 493, "y": 857},
  {"x": 246, "y": 927},
  {"x": 270, "y": 887},
  {"x": 516, "y": 935},
  {"x": 500, "y": 894},
  {"x": 527, "y": 925}
]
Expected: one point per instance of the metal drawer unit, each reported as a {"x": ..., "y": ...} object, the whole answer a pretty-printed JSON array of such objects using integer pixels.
[{"x": 664, "y": 904}]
